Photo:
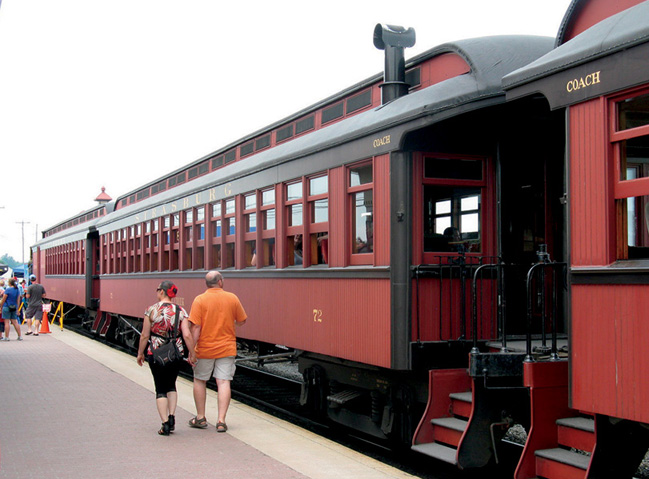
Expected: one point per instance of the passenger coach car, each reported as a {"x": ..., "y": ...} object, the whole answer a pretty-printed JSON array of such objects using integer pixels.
[{"x": 423, "y": 242}]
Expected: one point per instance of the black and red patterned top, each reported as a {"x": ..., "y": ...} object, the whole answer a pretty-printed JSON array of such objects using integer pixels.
[{"x": 163, "y": 317}]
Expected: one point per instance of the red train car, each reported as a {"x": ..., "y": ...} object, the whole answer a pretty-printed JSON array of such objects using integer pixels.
[{"x": 448, "y": 249}]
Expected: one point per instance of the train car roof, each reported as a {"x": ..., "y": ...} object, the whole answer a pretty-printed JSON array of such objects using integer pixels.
[
  {"x": 68, "y": 235},
  {"x": 490, "y": 58},
  {"x": 479, "y": 54},
  {"x": 620, "y": 32}
]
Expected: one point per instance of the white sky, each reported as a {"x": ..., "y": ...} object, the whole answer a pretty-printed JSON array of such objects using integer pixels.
[{"x": 118, "y": 93}]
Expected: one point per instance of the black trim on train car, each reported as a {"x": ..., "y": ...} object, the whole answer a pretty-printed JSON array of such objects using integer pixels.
[
  {"x": 401, "y": 209},
  {"x": 633, "y": 272}
]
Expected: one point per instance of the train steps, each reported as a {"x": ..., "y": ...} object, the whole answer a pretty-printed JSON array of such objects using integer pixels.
[
  {"x": 570, "y": 460},
  {"x": 447, "y": 431}
]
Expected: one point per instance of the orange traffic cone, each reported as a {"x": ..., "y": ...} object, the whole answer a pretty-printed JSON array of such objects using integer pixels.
[{"x": 45, "y": 324}]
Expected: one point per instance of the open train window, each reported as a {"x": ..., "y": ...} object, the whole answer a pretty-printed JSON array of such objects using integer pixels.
[
  {"x": 266, "y": 255},
  {"x": 361, "y": 196},
  {"x": 294, "y": 230},
  {"x": 630, "y": 140}
]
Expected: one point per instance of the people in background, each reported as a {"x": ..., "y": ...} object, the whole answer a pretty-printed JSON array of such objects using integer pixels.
[
  {"x": 35, "y": 294},
  {"x": 9, "y": 305}
]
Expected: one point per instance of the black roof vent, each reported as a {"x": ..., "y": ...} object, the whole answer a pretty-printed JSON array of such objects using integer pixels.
[{"x": 393, "y": 39}]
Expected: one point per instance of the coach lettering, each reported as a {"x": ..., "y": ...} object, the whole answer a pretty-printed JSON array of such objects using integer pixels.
[
  {"x": 583, "y": 82},
  {"x": 385, "y": 140}
]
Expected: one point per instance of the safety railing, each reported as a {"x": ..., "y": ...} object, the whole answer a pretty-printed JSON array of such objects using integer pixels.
[
  {"x": 544, "y": 280},
  {"x": 455, "y": 287}
]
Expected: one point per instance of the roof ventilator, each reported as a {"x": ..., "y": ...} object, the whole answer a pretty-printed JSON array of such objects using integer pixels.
[{"x": 393, "y": 39}]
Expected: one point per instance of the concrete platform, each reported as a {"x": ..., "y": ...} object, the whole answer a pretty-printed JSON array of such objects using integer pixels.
[{"x": 74, "y": 408}]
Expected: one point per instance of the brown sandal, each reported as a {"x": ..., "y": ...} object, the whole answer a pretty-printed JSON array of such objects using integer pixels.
[
  {"x": 198, "y": 423},
  {"x": 221, "y": 427}
]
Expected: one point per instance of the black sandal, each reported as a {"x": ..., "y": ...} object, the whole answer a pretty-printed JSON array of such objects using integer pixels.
[
  {"x": 164, "y": 430},
  {"x": 172, "y": 422}
]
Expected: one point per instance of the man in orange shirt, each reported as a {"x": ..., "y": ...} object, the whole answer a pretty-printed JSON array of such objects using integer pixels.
[{"x": 212, "y": 344}]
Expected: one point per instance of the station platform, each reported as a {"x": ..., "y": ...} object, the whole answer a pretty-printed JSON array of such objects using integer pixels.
[{"x": 75, "y": 408}]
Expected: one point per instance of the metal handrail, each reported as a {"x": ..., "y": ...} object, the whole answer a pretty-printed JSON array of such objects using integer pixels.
[
  {"x": 500, "y": 305},
  {"x": 542, "y": 266}
]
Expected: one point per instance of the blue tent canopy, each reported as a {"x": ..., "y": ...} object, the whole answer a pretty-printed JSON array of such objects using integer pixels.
[{"x": 19, "y": 271}]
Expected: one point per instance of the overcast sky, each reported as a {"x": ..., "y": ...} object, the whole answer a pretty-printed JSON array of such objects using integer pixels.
[{"x": 117, "y": 93}]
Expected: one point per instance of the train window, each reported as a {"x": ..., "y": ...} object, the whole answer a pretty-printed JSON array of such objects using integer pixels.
[
  {"x": 630, "y": 141},
  {"x": 269, "y": 219},
  {"x": 332, "y": 113},
  {"x": 294, "y": 191},
  {"x": 284, "y": 133},
  {"x": 203, "y": 168},
  {"x": 295, "y": 215},
  {"x": 361, "y": 175},
  {"x": 362, "y": 222},
  {"x": 633, "y": 112},
  {"x": 263, "y": 142},
  {"x": 360, "y": 101},
  {"x": 230, "y": 156},
  {"x": 318, "y": 185},
  {"x": 217, "y": 162},
  {"x": 246, "y": 149},
  {"x": 318, "y": 202},
  {"x": 305, "y": 124},
  {"x": 266, "y": 256},
  {"x": 294, "y": 212},
  {"x": 637, "y": 232},
  {"x": 268, "y": 197},
  {"x": 229, "y": 227},
  {"x": 250, "y": 201},
  {"x": 634, "y": 158},
  {"x": 362, "y": 211},
  {"x": 452, "y": 219},
  {"x": 216, "y": 210},
  {"x": 251, "y": 223}
]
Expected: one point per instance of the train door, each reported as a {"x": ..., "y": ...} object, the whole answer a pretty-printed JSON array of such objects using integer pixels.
[
  {"x": 92, "y": 271},
  {"x": 531, "y": 203}
]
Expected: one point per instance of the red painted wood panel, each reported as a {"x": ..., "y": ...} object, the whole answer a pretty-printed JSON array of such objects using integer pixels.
[
  {"x": 69, "y": 290},
  {"x": 609, "y": 343},
  {"x": 346, "y": 318},
  {"x": 426, "y": 326},
  {"x": 591, "y": 216}
]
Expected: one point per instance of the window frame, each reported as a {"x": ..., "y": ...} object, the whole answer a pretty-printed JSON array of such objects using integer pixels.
[
  {"x": 485, "y": 213},
  {"x": 358, "y": 258},
  {"x": 624, "y": 189}
]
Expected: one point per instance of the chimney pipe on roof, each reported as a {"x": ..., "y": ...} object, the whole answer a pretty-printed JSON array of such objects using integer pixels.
[{"x": 393, "y": 39}]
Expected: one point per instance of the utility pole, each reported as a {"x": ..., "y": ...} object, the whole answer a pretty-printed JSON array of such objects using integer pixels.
[{"x": 22, "y": 225}]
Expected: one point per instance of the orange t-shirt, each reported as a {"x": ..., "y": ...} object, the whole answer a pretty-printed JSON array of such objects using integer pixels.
[{"x": 215, "y": 311}]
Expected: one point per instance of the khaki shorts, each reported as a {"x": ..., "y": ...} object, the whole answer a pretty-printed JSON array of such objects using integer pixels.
[{"x": 221, "y": 368}]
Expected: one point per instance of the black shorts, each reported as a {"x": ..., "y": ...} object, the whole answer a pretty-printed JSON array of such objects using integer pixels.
[{"x": 164, "y": 377}]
